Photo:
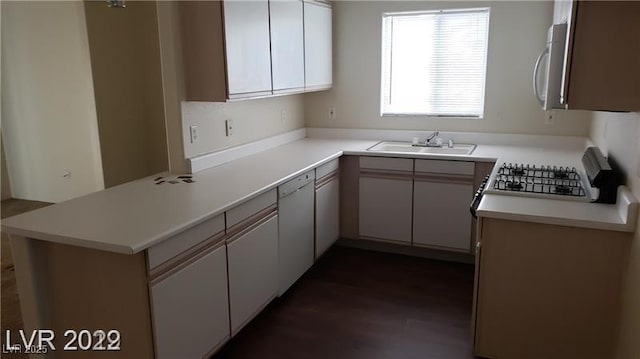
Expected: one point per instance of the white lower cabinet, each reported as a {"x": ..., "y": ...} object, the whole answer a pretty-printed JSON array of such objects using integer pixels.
[
  {"x": 386, "y": 195},
  {"x": 385, "y": 208},
  {"x": 441, "y": 215},
  {"x": 327, "y": 215},
  {"x": 441, "y": 195},
  {"x": 422, "y": 202},
  {"x": 190, "y": 307},
  {"x": 253, "y": 270}
]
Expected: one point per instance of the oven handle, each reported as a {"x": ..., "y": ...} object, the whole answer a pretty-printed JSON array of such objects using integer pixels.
[{"x": 477, "y": 197}]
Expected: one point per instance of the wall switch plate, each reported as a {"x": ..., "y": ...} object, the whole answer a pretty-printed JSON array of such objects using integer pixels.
[
  {"x": 229, "y": 126},
  {"x": 193, "y": 131},
  {"x": 332, "y": 113}
]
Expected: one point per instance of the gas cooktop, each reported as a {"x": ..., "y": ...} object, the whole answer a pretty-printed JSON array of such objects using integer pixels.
[
  {"x": 598, "y": 182},
  {"x": 540, "y": 181}
]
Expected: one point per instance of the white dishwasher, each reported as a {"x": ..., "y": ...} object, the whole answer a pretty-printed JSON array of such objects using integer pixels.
[{"x": 295, "y": 227}]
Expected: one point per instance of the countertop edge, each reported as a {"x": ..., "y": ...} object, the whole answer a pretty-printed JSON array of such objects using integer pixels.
[
  {"x": 164, "y": 236},
  {"x": 71, "y": 241},
  {"x": 626, "y": 208},
  {"x": 335, "y": 149},
  {"x": 143, "y": 245},
  {"x": 622, "y": 227}
]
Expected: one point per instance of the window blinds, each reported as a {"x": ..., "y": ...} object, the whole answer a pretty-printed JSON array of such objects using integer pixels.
[{"x": 434, "y": 63}]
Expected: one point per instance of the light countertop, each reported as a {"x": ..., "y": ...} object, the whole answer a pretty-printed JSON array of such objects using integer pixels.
[{"x": 134, "y": 216}]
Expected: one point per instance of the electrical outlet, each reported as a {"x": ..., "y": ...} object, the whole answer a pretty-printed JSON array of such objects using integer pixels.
[
  {"x": 229, "y": 125},
  {"x": 332, "y": 113},
  {"x": 195, "y": 135},
  {"x": 549, "y": 119},
  {"x": 283, "y": 117}
]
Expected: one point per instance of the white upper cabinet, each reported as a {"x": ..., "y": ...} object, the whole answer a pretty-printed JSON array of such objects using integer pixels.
[
  {"x": 287, "y": 46},
  {"x": 317, "y": 46},
  {"x": 250, "y": 49},
  {"x": 601, "y": 71},
  {"x": 246, "y": 25}
]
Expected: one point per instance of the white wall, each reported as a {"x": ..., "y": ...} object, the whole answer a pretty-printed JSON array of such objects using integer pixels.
[
  {"x": 252, "y": 120},
  {"x": 618, "y": 135},
  {"x": 517, "y": 34},
  {"x": 48, "y": 110}
]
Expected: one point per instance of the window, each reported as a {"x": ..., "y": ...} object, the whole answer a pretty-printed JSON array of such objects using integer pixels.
[{"x": 434, "y": 63}]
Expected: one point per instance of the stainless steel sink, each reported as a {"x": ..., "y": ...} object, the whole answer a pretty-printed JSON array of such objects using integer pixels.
[{"x": 407, "y": 147}]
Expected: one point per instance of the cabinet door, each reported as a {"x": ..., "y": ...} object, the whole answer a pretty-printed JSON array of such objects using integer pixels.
[
  {"x": 602, "y": 72},
  {"x": 287, "y": 45},
  {"x": 253, "y": 272},
  {"x": 317, "y": 46},
  {"x": 385, "y": 208},
  {"x": 247, "y": 47},
  {"x": 327, "y": 216},
  {"x": 441, "y": 214},
  {"x": 191, "y": 308}
]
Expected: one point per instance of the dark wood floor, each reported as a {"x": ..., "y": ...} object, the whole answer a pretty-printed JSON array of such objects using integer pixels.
[
  {"x": 352, "y": 304},
  {"x": 362, "y": 304}
]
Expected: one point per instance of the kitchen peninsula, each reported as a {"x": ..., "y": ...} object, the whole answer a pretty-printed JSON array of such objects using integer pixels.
[{"x": 111, "y": 248}]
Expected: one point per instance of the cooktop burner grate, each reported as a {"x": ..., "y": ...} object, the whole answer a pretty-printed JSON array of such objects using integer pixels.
[{"x": 554, "y": 180}]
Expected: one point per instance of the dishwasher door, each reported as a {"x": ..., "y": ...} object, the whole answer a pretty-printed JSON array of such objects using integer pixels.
[{"x": 296, "y": 229}]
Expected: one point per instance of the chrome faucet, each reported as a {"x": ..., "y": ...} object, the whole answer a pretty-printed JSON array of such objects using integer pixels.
[{"x": 430, "y": 138}]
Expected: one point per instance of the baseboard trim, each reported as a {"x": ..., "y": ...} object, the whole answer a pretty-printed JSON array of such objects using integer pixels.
[{"x": 406, "y": 250}]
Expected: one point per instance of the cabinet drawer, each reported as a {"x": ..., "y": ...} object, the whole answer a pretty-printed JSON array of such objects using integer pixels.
[
  {"x": 445, "y": 167},
  {"x": 181, "y": 242},
  {"x": 247, "y": 209},
  {"x": 327, "y": 168},
  {"x": 385, "y": 163}
]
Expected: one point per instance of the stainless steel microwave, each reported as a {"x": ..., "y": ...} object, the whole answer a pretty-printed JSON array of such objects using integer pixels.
[{"x": 548, "y": 72}]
